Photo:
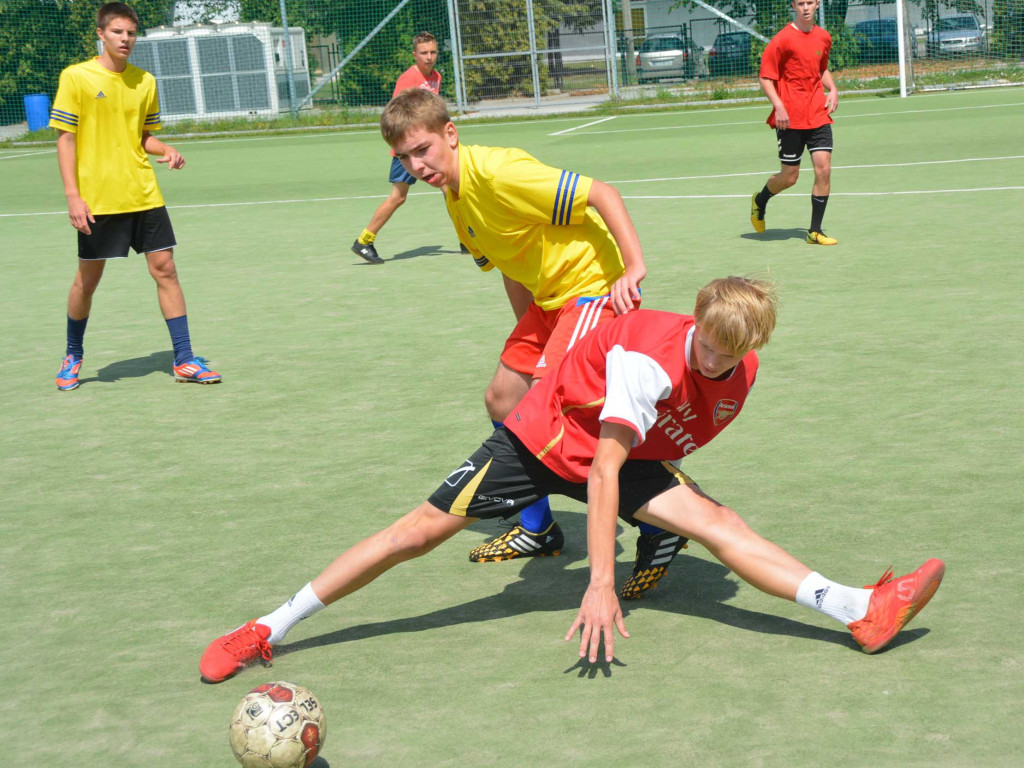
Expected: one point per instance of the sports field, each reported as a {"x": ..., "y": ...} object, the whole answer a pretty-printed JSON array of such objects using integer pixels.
[{"x": 142, "y": 518}]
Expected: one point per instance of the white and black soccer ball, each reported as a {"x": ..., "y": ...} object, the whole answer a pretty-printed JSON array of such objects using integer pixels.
[{"x": 277, "y": 725}]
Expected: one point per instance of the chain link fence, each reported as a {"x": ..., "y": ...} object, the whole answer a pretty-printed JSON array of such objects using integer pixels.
[{"x": 230, "y": 58}]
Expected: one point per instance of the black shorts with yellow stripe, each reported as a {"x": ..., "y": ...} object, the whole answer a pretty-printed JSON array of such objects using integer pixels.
[{"x": 503, "y": 477}]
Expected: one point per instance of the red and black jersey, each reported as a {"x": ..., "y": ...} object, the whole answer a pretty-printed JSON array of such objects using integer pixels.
[
  {"x": 795, "y": 60},
  {"x": 634, "y": 371}
]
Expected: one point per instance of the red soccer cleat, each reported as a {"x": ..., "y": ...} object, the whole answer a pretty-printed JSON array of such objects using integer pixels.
[
  {"x": 894, "y": 603},
  {"x": 67, "y": 376},
  {"x": 196, "y": 370},
  {"x": 230, "y": 654}
]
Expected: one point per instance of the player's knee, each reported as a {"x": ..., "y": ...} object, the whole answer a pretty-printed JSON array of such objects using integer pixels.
[
  {"x": 725, "y": 525},
  {"x": 496, "y": 402},
  {"x": 164, "y": 271},
  {"x": 86, "y": 285},
  {"x": 413, "y": 535},
  {"x": 789, "y": 176}
]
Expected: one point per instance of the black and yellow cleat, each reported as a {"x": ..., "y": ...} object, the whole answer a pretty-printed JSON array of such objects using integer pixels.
[
  {"x": 519, "y": 542},
  {"x": 820, "y": 238},
  {"x": 654, "y": 553},
  {"x": 756, "y": 214}
]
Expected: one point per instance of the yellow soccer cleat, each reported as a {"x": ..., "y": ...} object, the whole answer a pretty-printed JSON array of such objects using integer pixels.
[
  {"x": 520, "y": 542},
  {"x": 756, "y": 214},
  {"x": 820, "y": 238},
  {"x": 654, "y": 553}
]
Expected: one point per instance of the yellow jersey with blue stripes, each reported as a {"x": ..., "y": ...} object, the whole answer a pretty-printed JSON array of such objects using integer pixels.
[
  {"x": 531, "y": 221},
  {"x": 108, "y": 111}
]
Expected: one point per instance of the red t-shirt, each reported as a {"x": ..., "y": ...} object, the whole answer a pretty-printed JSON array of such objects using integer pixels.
[
  {"x": 413, "y": 78},
  {"x": 633, "y": 371},
  {"x": 795, "y": 60}
]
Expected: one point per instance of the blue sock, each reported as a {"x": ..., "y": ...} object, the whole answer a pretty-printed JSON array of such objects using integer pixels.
[
  {"x": 649, "y": 529},
  {"x": 76, "y": 337},
  {"x": 535, "y": 518},
  {"x": 178, "y": 326}
]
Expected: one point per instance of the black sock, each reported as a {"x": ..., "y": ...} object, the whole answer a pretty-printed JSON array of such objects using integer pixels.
[
  {"x": 817, "y": 211},
  {"x": 763, "y": 197}
]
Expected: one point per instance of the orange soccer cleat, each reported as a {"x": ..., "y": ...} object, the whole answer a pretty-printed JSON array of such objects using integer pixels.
[
  {"x": 230, "y": 654},
  {"x": 894, "y": 603},
  {"x": 196, "y": 370}
]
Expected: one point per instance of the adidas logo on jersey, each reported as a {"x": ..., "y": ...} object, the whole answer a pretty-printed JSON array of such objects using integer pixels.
[{"x": 101, "y": 95}]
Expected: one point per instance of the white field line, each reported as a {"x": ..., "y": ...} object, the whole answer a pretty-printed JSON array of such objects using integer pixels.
[
  {"x": 834, "y": 168},
  {"x": 29, "y": 154},
  {"x": 581, "y": 127},
  {"x": 622, "y": 181},
  {"x": 839, "y": 119},
  {"x": 962, "y": 191}
]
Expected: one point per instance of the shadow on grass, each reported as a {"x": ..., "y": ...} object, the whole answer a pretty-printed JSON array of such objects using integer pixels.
[
  {"x": 136, "y": 367},
  {"x": 693, "y": 587},
  {"x": 415, "y": 253},
  {"x": 776, "y": 234}
]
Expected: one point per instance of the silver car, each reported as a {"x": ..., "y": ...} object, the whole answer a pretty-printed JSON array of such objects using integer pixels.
[
  {"x": 663, "y": 56},
  {"x": 955, "y": 34}
]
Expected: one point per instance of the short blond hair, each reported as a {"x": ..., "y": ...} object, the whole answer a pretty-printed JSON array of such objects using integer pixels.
[
  {"x": 413, "y": 108},
  {"x": 737, "y": 312}
]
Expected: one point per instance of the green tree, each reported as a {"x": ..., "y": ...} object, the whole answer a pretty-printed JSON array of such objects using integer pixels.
[
  {"x": 39, "y": 38},
  {"x": 1008, "y": 28}
]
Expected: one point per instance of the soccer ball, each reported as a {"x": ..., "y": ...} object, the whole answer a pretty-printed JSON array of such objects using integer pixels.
[{"x": 277, "y": 725}]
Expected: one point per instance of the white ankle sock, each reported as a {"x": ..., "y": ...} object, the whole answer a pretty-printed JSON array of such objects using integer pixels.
[
  {"x": 303, "y": 604},
  {"x": 844, "y": 604}
]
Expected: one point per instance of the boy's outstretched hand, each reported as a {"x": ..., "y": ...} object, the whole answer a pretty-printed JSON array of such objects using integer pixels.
[{"x": 598, "y": 613}]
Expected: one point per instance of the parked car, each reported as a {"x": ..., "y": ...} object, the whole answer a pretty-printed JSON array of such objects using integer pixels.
[
  {"x": 730, "y": 55},
  {"x": 879, "y": 40},
  {"x": 663, "y": 56},
  {"x": 953, "y": 35}
]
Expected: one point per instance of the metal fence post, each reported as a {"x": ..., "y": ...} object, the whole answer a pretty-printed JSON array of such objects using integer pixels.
[
  {"x": 453, "y": 30},
  {"x": 533, "y": 52},
  {"x": 288, "y": 63}
]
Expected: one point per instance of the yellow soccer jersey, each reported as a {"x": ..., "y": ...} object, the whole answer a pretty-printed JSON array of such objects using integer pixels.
[
  {"x": 108, "y": 111},
  {"x": 532, "y": 222}
]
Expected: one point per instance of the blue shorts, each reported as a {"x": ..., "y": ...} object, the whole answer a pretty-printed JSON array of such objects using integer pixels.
[{"x": 399, "y": 174}]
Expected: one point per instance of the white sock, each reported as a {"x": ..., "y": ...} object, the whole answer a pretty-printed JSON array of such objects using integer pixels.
[
  {"x": 303, "y": 604},
  {"x": 844, "y": 604}
]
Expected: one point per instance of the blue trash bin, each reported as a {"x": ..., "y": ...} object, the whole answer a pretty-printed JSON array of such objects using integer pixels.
[{"x": 37, "y": 110}]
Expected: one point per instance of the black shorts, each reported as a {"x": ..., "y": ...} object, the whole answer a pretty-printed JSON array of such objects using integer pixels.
[
  {"x": 113, "y": 233},
  {"x": 503, "y": 477},
  {"x": 793, "y": 140}
]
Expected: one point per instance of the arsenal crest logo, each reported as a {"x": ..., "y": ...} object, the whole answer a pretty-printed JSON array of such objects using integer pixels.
[{"x": 725, "y": 410}]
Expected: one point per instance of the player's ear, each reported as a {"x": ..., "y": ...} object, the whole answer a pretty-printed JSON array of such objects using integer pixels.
[{"x": 451, "y": 134}]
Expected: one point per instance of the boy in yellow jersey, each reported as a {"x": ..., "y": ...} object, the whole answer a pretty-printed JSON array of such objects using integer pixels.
[
  {"x": 570, "y": 258},
  {"x": 106, "y": 110}
]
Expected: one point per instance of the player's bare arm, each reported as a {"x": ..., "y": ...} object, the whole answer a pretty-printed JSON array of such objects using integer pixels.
[
  {"x": 518, "y": 296},
  {"x": 165, "y": 153},
  {"x": 781, "y": 115},
  {"x": 67, "y": 156},
  {"x": 607, "y": 201},
  {"x": 600, "y": 610},
  {"x": 832, "y": 96}
]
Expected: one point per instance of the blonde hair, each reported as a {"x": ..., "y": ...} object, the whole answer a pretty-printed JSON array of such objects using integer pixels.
[
  {"x": 737, "y": 312},
  {"x": 413, "y": 108}
]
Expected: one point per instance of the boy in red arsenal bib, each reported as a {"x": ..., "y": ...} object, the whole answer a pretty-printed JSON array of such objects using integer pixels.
[
  {"x": 640, "y": 391},
  {"x": 420, "y": 75},
  {"x": 794, "y": 70}
]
